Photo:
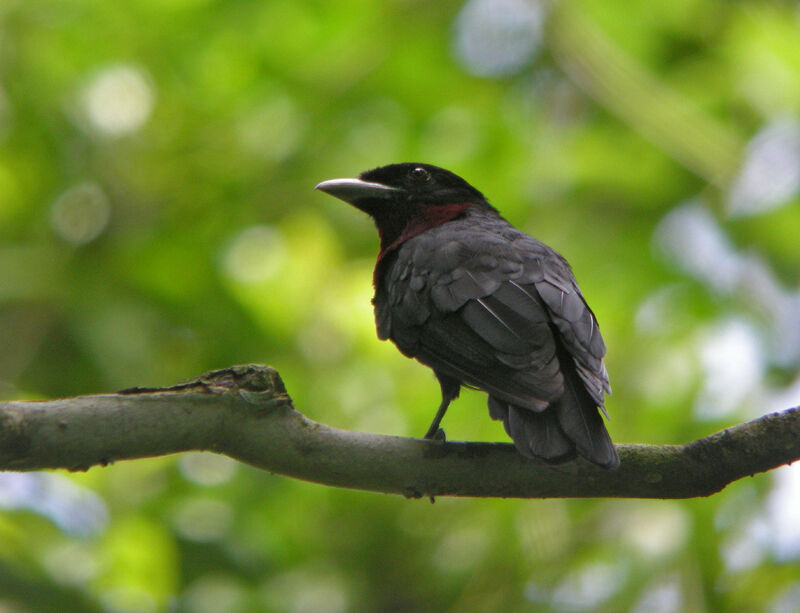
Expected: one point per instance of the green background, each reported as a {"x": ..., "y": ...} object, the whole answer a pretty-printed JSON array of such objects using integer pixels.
[{"x": 157, "y": 220}]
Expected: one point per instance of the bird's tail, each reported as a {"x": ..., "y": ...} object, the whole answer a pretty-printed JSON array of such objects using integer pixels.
[
  {"x": 535, "y": 434},
  {"x": 571, "y": 425}
]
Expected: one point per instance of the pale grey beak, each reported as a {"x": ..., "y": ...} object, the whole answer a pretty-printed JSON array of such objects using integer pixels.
[{"x": 353, "y": 190}]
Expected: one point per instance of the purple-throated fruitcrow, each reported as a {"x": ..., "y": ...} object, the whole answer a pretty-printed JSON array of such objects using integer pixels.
[{"x": 485, "y": 305}]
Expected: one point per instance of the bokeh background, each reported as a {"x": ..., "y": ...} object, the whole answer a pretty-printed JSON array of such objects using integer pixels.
[{"x": 157, "y": 220}]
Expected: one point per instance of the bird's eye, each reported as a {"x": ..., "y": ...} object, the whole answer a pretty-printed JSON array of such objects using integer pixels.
[{"x": 419, "y": 174}]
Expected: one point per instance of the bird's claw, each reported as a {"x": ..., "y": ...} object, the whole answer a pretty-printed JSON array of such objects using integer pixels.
[{"x": 439, "y": 435}]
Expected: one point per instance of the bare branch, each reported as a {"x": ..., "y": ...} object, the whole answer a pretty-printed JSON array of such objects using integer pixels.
[{"x": 245, "y": 413}]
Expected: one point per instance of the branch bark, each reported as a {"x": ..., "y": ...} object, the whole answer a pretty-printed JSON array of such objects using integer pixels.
[{"x": 246, "y": 413}]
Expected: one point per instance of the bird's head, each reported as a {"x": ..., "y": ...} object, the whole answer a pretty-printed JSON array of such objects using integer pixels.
[{"x": 407, "y": 199}]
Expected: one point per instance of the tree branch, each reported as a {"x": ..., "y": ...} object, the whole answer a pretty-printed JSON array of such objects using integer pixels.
[{"x": 246, "y": 413}]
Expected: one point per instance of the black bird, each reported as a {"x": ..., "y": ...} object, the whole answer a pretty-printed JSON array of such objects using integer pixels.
[{"x": 486, "y": 306}]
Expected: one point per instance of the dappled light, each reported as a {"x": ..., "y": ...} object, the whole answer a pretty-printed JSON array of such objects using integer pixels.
[
  {"x": 495, "y": 38},
  {"x": 80, "y": 214},
  {"x": 770, "y": 174},
  {"x": 118, "y": 100}
]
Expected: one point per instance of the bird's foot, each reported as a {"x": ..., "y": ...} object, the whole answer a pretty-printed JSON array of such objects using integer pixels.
[{"x": 437, "y": 435}]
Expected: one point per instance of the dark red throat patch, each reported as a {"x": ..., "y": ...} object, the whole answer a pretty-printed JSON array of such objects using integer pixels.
[{"x": 430, "y": 217}]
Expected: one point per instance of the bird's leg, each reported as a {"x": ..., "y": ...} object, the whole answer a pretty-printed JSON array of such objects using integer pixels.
[
  {"x": 450, "y": 388},
  {"x": 435, "y": 432}
]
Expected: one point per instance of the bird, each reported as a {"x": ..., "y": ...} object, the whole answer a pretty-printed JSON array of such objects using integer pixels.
[{"x": 485, "y": 306}]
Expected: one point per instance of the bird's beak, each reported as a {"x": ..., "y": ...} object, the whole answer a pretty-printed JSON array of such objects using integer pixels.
[{"x": 355, "y": 190}]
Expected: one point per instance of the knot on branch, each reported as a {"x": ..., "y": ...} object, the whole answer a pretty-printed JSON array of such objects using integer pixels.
[
  {"x": 248, "y": 377},
  {"x": 244, "y": 377}
]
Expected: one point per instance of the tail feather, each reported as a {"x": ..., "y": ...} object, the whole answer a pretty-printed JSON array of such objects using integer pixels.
[
  {"x": 556, "y": 434},
  {"x": 584, "y": 426},
  {"x": 581, "y": 421},
  {"x": 535, "y": 434}
]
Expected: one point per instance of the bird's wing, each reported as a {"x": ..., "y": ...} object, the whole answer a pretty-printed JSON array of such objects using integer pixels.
[
  {"x": 491, "y": 311},
  {"x": 500, "y": 311},
  {"x": 578, "y": 329}
]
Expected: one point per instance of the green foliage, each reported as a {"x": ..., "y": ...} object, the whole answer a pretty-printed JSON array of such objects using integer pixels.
[{"x": 157, "y": 220}]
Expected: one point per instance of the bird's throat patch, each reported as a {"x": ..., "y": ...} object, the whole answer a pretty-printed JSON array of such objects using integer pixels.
[{"x": 430, "y": 217}]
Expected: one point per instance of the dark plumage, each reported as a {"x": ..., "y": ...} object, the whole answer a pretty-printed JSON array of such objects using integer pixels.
[{"x": 461, "y": 290}]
